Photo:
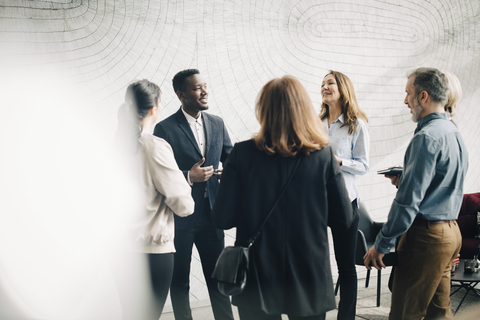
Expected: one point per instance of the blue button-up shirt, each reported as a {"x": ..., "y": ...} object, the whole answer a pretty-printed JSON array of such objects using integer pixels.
[
  {"x": 431, "y": 185},
  {"x": 352, "y": 149}
]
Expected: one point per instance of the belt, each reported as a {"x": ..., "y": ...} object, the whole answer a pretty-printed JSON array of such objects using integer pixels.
[{"x": 424, "y": 222}]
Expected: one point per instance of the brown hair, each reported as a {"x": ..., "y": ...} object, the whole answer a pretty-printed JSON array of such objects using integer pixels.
[
  {"x": 350, "y": 109},
  {"x": 288, "y": 121}
]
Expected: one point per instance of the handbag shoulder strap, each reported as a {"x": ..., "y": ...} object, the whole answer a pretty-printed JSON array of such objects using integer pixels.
[{"x": 252, "y": 240}]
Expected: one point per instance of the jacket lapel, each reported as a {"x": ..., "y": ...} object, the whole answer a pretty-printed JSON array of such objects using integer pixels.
[{"x": 185, "y": 127}]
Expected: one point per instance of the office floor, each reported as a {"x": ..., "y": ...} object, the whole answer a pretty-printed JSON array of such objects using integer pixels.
[{"x": 366, "y": 304}]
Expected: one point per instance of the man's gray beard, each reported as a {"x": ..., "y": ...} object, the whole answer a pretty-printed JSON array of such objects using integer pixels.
[{"x": 417, "y": 109}]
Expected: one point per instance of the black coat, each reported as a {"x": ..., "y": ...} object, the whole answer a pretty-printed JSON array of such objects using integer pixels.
[
  {"x": 290, "y": 265},
  {"x": 176, "y": 131}
]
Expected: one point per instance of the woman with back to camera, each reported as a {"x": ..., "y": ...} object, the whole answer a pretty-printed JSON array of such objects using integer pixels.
[
  {"x": 347, "y": 129},
  {"x": 289, "y": 262},
  {"x": 163, "y": 192}
]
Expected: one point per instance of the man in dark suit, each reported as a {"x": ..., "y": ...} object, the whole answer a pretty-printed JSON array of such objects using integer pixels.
[{"x": 199, "y": 142}]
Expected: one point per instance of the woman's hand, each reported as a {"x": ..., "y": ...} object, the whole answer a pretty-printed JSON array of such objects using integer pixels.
[{"x": 339, "y": 160}]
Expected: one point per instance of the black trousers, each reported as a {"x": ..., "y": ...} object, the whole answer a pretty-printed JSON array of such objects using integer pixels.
[
  {"x": 142, "y": 282},
  {"x": 344, "y": 244},
  {"x": 254, "y": 314},
  {"x": 161, "y": 272},
  {"x": 209, "y": 248}
]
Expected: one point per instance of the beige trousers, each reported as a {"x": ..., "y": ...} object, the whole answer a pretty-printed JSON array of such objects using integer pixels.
[{"x": 421, "y": 285}]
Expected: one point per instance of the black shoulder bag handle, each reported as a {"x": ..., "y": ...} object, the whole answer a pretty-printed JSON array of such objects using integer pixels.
[{"x": 232, "y": 265}]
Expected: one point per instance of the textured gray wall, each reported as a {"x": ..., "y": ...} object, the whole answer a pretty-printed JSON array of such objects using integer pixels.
[{"x": 91, "y": 50}]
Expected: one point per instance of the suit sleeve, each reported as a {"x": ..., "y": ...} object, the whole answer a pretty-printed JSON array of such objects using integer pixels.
[
  {"x": 227, "y": 201},
  {"x": 340, "y": 214},
  {"x": 168, "y": 179},
  {"x": 227, "y": 145}
]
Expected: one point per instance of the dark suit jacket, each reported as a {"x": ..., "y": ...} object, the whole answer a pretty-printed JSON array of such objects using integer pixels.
[
  {"x": 176, "y": 131},
  {"x": 290, "y": 265}
]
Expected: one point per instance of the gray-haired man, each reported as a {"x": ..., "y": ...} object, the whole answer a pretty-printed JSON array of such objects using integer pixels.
[{"x": 426, "y": 206}]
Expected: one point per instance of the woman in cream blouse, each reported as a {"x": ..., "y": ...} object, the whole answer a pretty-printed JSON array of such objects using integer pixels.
[{"x": 163, "y": 192}]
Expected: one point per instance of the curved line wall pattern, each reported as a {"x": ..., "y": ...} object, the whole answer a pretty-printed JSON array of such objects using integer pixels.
[{"x": 94, "y": 48}]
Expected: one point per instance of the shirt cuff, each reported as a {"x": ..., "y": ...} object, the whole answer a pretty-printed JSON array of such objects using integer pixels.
[
  {"x": 188, "y": 178},
  {"x": 384, "y": 245},
  {"x": 346, "y": 162}
]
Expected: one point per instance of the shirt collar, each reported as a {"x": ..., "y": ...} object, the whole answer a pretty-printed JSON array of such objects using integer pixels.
[
  {"x": 341, "y": 119},
  {"x": 191, "y": 120},
  {"x": 432, "y": 116}
]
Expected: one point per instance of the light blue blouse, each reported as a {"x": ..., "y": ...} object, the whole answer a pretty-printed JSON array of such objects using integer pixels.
[{"x": 353, "y": 149}]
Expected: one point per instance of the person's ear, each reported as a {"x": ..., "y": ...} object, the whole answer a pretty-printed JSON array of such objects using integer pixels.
[
  {"x": 180, "y": 95},
  {"x": 423, "y": 97}
]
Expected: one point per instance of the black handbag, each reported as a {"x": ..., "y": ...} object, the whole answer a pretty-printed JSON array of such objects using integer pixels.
[{"x": 232, "y": 265}]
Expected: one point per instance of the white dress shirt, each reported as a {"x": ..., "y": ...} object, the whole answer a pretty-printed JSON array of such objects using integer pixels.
[
  {"x": 198, "y": 130},
  {"x": 199, "y": 133}
]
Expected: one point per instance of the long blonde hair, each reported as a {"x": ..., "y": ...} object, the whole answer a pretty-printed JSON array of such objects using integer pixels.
[
  {"x": 455, "y": 93},
  {"x": 348, "y": 102},
  {"x": 288, "y": 121}
]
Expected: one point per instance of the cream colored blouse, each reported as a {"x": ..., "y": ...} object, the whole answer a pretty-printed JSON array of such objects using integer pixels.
[{"x": 166, "y": 193}]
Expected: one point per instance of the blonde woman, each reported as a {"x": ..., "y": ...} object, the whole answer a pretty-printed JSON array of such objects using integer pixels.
[
  {"x": 347, "y": 129},
  {"x": 455, "y": 93},
  {"x": 289, "y": 264}
]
